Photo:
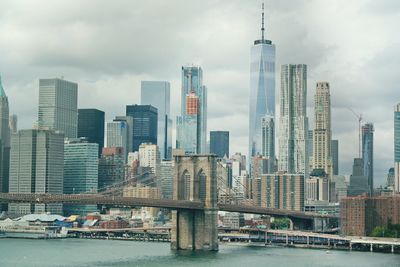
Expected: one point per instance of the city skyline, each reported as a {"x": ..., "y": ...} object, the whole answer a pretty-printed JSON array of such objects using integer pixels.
[{"x": 22, "y": 88}]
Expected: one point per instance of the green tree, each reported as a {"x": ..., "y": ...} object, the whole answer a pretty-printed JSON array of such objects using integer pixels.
[
  {"x": 280, "y": 223},
  {"x": 378, "y": 232}
]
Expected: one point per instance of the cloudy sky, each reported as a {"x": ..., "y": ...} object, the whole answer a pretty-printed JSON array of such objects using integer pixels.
[{"x": 108, "y": 47}]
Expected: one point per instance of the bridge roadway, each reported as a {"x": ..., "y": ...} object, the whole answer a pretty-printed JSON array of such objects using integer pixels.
[{"x": 94, "y": 199}]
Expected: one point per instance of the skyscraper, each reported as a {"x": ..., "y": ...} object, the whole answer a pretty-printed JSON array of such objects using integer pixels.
[
  {"x": 36, "y": 166},
  {"x": 268, "y": 137},
  {"x": 129, "y": 131},
  {"x": 145, "y": 124},
  {"x": 397, "y": 148},
  {"x": 157, "y": 94},
  {"x": 166, "y": 176},
  {"x": 117, "y": 136},
  {"x": 111, "y": 167},
  {"x": 262, "y": 88},
  {"x": 149, "y": 156},
  {"x": 192, "y": 124},
  {"x": 309, "y": 145},
  {"x": 58, "y": 100},
  {"x": 293, "y": 128},
  {"x": 4, "y": 140},
  {"x": 335, "y": 156},
  {"x": 390, "y": 178},
  {"x": 91, "y": 126},
  {"x": 219, "y": 143},
  {"x": 80, "y": 172},
  {"x": 368, "y": 154},
  {"x": 322, "y": 158},
  {"x": 358, "y": 181},
  {"x": 13, "y": 123}
]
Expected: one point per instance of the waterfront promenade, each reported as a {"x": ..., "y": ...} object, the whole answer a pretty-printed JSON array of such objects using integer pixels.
[
  {"x": 311, "y": 240},
  {"x": 253, "y": 237}
]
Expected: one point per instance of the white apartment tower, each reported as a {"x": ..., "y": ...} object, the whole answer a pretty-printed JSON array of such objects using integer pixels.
[{"x": 149, "y": 156}]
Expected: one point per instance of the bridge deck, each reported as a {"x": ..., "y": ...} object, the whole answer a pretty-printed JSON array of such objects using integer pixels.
[
  {"x": 269, "y": 211},
  {"x": 94, "y": 199}
]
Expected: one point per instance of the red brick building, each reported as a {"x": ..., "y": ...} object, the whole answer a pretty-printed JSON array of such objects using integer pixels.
[{"x": 360, "y": 215}]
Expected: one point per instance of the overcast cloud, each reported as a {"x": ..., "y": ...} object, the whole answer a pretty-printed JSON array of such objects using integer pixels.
[{"x": 108, "y": 47}]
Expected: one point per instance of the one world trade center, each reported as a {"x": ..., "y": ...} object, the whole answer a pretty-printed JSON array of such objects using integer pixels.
[{"x": 262, "y": 89}]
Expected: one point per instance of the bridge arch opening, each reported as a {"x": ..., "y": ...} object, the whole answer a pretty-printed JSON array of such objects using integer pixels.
[
  {"x": 201, "y": 185},
  {"x": 184, "y": 186}
]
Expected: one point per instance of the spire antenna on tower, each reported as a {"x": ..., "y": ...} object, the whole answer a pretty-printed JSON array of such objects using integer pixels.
[{"x": 262, "y": 23}]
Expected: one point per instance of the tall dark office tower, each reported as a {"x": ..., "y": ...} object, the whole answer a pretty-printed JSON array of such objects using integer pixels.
[
  {"x": 91, "y": 126},
  {"x": 358, "y": 181},
  {"x": 335, "y": 156},
  {"x": 368, "y": 154},
  {"x": 4, "y": 140},
  {"x": 219, "y": 143},
  {"x": 390, "y": 178},
  {"x": 144, "y": 124}
]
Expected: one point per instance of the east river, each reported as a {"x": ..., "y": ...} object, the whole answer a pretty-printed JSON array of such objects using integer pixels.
[{"x": 85, "y": 252}]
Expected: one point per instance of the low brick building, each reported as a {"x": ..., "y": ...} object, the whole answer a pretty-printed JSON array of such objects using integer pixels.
[{"x": 360, "y": 215}]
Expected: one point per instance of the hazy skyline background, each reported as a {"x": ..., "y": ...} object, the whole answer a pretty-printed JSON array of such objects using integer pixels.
[{"x": 108, "y": 47}]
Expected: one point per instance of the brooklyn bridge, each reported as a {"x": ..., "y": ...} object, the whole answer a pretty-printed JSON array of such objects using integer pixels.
[{"x": 194, "y": 206}]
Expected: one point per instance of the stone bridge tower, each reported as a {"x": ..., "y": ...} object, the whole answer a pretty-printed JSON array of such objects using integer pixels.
[{"x": 195, "y": 180}]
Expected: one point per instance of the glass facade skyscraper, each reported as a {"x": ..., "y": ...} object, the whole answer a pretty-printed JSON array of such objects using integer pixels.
[
  {"x": 192, "y": 124},
  {"x": 293, "y": 126},
  {"x": 262, "y": 89},
  {"x": 58, "y": 101},
  {"x": 91, "y": 125},
  {"x": 145, "y": 124},
  {"x": 157, "y": 94},
  {"x": 368, "y": 154},
  {"x": 80, "y": 173},
  {"x": 219, "y": 143}
]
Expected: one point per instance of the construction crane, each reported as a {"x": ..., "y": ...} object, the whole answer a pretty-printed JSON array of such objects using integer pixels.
[{"x": 359, "y": 117}]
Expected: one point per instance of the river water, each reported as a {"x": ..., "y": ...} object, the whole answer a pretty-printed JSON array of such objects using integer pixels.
[{"x": 85, "y": 252}]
